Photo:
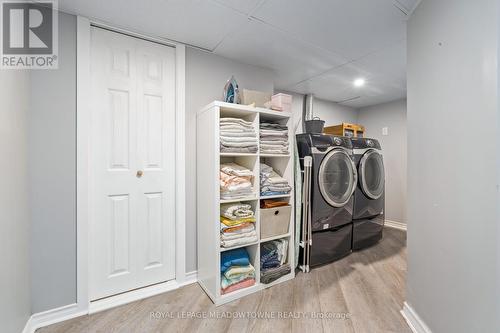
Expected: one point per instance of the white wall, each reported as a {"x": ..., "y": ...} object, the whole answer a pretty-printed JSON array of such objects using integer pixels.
[
  {"x": 52, "y": 171},
  {"x": 15, "y": 306},
  {"x": 453, "y": 199},
  {"x": 393, "y": 116},
  {"x": 206, "y": 75}
]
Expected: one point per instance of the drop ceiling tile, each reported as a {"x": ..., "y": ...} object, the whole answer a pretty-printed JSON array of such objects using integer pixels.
[
  {"x": 364, "y": 101},
  {"x": 351, "y": 28},
  {"x": 242, "y": 6},
  {"x": 258, "y": 44},
  {"x": 201, "y": 23},
  {"x": 389, "y": 63},
  {"x": 409, "y": 5},
  {"x": 337, "y": 85}
]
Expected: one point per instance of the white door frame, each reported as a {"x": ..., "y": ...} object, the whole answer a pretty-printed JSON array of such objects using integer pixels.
[{"x": 83, "y": 153}]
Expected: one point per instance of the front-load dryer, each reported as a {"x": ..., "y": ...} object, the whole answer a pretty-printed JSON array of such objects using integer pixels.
[
  {"x": 333, "y": 182},
  {"x": 369, "y": 197}
]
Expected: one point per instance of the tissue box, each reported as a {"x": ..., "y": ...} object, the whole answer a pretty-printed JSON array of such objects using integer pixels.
[{"x": 281, "y": 102}]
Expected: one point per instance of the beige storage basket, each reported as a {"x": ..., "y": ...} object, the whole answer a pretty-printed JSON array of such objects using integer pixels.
[
  {"x": 248, "y": 97},
  {"x": 274, "y": 221}
]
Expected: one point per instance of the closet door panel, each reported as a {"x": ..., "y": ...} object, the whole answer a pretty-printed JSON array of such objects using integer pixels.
[{"x": 132, "y": 183}]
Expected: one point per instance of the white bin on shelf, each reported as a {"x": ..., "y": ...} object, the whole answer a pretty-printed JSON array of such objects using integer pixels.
[{"x": 274, "y": 221}]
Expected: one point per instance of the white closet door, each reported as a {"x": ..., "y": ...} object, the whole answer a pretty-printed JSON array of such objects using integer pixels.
[{"x": 132, "y": 229}]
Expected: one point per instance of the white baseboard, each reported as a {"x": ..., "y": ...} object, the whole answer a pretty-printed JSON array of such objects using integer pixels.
[
  {"x": 191, "y": 277},
  {"x": 28, "y": 328},
  {"x": 49, "y": 317},
  {"x": 46, "y": 318},
  {"x": 132, "y": 296},
  {"x": 395, "y": 225},
  {"x": 138, "y": 294},
  {"x": 416, "y": 324}
]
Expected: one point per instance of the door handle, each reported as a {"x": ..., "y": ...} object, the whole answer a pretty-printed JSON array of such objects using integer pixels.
[{"x": 139, "y": 173}]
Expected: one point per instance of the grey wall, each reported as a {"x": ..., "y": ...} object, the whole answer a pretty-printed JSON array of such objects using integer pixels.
[
  {"x": 52, "y": 172},
  {"x": 206, "y": 75},
  {"x": 14, "y": 236},
  {"x": 52, "y": 159},
  {"x": 453, "y": 258},
  {"x": 332, "y": 113},
  {"x": 393, "y": 116}
]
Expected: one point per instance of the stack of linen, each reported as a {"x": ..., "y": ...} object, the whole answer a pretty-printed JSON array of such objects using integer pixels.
[
  {"x": 235, "y": 181},
  {"x": 271, "y": 183},
  {"x": 237, "y": 136},
  {"x": 236, "y": 270},
  {"x": 237, "y": 224},
  {"x": 273, "y": 138},
  {"x": 273, "y": 264}
]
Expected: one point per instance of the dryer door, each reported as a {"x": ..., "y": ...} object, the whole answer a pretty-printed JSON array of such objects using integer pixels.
[
  {"x": 371, "y": 174},
  {"x": 337, "y": 177}
]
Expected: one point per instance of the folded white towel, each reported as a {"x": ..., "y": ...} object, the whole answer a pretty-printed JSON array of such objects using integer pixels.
[
  {"x": 239, "y": 194},
  {"x": 238, "y": 241},
  {"x": 235, "y": 169},
  {"x": 238, "y": 144},
  {"x": 274, "y": 143},
  {"x": 229, "y": 235},
  {"x": 274, "y": 151},
  {"x": 238, "y": 134},
  {"x": 238, "y": 139},
  {"x": 273, "y": 132},
  {"x": 235, "y": 120},
  {"x": 237, "y": 127},
  {"x": 235, "y": 211}
]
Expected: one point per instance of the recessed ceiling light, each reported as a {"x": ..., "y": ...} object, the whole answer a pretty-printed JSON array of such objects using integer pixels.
[{"x": 359, "y": 82}]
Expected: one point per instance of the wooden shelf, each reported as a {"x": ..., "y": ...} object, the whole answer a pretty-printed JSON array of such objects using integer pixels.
[
  {"x": 242, "y": 110},
  {"x": 274, "y": 155},
  {"x": 275, "y": 237},
  {"x": 275, "y": 196},
  {"x": 254, "y": 154},
  {"x": 208, "y": 194},
  {"x": 224, "y": 249},
  {"x": 252, "y": 198},
  {"x": 239, "y": 154}
]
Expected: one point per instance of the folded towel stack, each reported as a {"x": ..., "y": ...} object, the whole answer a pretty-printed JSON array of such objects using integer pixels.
[
  {"x": 273, "y": 138},
  {"x": 237, "y": 136},
  {"x": 237, "y": 224},
  {"x": 273, "y": 260},
  {"x": 271, "y": 183},
  {"x": 235, "y": 181},
  {"x": 236, "y": 270}
]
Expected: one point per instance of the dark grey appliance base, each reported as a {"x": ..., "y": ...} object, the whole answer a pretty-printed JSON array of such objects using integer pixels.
[
  {"x": 330, "y": 245},
  {"x": 367, "y": 232}
]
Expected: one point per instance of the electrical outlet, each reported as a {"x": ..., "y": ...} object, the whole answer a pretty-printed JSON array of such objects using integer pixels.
[{"x": 385, "y": 130}]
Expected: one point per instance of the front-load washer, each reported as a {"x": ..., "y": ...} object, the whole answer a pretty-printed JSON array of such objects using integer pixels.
[
  {"x": 369, "y": 197},
  {"x": 333, "y": 182}
]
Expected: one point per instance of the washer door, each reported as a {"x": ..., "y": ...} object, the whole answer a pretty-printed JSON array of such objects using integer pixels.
[
  {"x": 371, "y": 174},
  {"x": 337, "y": 177}
]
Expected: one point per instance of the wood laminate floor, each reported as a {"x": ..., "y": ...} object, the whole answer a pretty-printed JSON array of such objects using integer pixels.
[{"x": 361, "y": 293}]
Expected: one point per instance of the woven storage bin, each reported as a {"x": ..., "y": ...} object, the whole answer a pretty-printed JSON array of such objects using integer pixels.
[{"x": 274, "y": 221}]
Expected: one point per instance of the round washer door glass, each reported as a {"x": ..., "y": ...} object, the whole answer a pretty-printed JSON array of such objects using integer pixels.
[
  {"x": 337, "y": 178},
  {"x": 372, "y": 174}
]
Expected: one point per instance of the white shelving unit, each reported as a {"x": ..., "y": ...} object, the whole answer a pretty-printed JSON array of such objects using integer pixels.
[{"x": 208, "y": 195}]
